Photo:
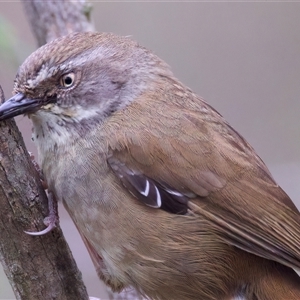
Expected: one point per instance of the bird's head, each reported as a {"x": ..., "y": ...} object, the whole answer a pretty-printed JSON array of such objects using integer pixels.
[{"x": 82, "y": 78}]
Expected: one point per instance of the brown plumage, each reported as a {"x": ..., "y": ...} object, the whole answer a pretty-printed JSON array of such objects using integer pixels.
[{"x": 166, "y": 195}]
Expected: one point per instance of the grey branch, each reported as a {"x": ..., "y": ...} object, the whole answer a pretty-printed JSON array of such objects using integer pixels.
[
  {"x": 37, "y": 267},
  {"x": 51, "y": 19}
]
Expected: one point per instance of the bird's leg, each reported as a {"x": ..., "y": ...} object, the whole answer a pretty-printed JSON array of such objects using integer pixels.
[
  {"x": 39, "y": 170},
  {"x": 51, "y": 220}
]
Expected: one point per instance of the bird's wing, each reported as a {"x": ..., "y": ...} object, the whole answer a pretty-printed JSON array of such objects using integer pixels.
[{"x": 190, "y": 163}]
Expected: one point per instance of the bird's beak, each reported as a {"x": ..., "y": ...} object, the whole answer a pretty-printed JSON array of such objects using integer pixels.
[{"x": 18, "y": 105}]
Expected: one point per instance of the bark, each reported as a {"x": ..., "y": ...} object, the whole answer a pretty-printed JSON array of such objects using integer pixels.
[
  {"x": 51, "y": 19},
  {"x": 37, "y": 267}
]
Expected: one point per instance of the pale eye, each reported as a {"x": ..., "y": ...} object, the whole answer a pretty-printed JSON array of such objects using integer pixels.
[{"x": 67, "y": 80}]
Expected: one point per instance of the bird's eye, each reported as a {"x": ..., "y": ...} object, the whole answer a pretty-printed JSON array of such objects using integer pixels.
[{"x": 67, "y": 80}]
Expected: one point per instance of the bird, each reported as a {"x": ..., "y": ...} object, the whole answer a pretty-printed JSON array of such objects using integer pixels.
[{"x": 168, "y": 198}]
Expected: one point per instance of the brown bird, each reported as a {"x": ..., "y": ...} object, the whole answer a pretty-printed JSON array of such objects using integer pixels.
[{"x": 167, "y": 196}]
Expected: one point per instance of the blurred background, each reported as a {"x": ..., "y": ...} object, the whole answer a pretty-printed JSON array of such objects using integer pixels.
[{"x": 243, "y": 58}]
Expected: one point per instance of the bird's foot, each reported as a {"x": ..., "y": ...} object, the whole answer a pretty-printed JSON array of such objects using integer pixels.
[{"x": 52, "y": 218}]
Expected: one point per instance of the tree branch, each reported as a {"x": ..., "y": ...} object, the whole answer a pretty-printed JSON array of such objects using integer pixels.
[
  {"x": 37, "y": 267},
  {"x": 51, "y": 19}
]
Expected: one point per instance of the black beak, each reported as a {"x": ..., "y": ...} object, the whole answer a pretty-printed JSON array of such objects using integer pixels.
[{"x": 18, "y": 105}]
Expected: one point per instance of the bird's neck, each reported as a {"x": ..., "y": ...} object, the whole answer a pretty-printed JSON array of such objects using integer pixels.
[{"x": 52, "y": 135}]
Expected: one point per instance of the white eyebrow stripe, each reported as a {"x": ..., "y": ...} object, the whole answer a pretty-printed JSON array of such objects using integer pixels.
[
  {"x": 158, "y": 198},
  {"x": 147, "y": 189}
]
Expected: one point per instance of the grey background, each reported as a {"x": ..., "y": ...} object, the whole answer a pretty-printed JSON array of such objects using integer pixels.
[{"x": 242, "y": 57}]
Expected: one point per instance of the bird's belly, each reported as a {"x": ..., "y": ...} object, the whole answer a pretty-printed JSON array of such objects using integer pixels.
[
  {"x": 133, "y": 255},
  {"x": 136, "y": 248}
]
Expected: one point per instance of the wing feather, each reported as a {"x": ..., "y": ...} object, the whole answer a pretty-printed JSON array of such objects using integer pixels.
[{"x": 196, "y": 154}]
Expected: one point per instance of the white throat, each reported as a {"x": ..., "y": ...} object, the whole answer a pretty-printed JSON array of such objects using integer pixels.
[{"x": 51, "y": 133}]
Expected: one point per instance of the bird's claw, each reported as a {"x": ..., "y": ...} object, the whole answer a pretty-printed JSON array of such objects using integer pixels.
[{"x": 49, "y": 221}]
